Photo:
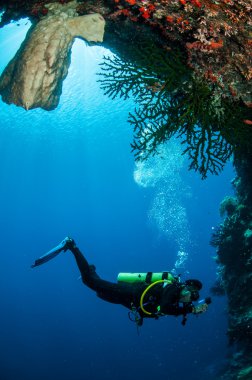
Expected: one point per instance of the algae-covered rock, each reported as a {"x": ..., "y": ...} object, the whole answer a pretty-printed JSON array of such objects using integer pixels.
[
  {"x": 228, "y": 206},
  {"x": 34, "y": 77},
  {"x": 235, "y": 262},
  {"x": 248, "y": 234},
  {"x": 245, "y": 374}
]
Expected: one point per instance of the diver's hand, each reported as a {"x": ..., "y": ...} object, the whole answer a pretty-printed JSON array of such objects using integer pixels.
[{"x": 202, "y": 308}]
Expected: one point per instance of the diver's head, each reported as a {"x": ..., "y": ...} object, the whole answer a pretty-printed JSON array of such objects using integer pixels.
[{"x": 190, "y": 291}]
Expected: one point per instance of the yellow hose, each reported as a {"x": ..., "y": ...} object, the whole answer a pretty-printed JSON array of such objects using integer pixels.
[{"x": 144, "y": 293}]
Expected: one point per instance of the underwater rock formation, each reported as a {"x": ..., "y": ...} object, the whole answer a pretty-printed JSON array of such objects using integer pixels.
[
  {"x": 34, "y": 77},
  {"x": 216, "y": 35},
  {"x": 234, "y": 255}
]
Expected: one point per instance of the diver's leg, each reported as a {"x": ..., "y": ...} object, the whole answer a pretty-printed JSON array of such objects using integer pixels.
[
  {"x": 85, "y": 269},
  {"x": 108, "y": 291}
]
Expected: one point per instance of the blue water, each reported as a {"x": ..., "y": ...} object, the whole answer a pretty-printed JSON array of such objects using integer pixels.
[{"x": 70, "y": 172}]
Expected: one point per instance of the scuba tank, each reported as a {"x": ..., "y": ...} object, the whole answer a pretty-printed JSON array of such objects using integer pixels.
[{"x": 148, "y": 277}]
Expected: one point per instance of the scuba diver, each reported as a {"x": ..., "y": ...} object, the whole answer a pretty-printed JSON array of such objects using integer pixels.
[{"x": 146, "y": 295}]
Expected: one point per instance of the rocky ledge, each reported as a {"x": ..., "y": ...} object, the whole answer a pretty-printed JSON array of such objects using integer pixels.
[{"x": 34, "y": 77}]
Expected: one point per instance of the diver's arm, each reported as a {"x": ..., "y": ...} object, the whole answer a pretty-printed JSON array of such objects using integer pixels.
[
  {"x": 176, "y": 309},
  {"x": 186, "y": 309}
]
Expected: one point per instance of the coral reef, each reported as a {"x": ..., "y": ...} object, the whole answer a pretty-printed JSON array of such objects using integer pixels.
[
  {"x": 228, "y": 206},
  {"x": 34, "y": 77},
  {"x": 245, "y": 373},
  {"x": 172, "y": 101},
  {"x": 216, "y": 34},
  {"x": 233, "y": 240}
]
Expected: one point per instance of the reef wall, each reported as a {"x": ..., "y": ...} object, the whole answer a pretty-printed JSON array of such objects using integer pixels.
[
  {"x": 234, "y": 255},
  {"x": 214, "y": 35}
]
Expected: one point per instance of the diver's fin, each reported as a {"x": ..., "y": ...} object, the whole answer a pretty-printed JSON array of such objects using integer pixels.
[{"x": 63, "y": 246}]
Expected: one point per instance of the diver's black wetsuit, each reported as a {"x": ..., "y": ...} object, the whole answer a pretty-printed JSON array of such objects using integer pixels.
[{"x": 129, "y": 295}]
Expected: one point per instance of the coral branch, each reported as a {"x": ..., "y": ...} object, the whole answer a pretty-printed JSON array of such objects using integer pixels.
[{"x": 173, "y": 102}]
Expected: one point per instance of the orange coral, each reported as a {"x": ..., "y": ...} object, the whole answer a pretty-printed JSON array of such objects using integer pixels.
[
  {"x": 146, "y": 15},
  {"x": 125, "y": 12},
  {"x": 131, "y": 2},
  {"x": 197, "y": 3},
  {"x": 170, "y": 19},
  {"x": 248, "y": 122},
  {"x": 144, "y": 12},
  {"x": 216, "y": 45},
  {"x": 209, "y": 26},
  {"x": 209, "y": 75},
  {"x": 151, "y": 7}
]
